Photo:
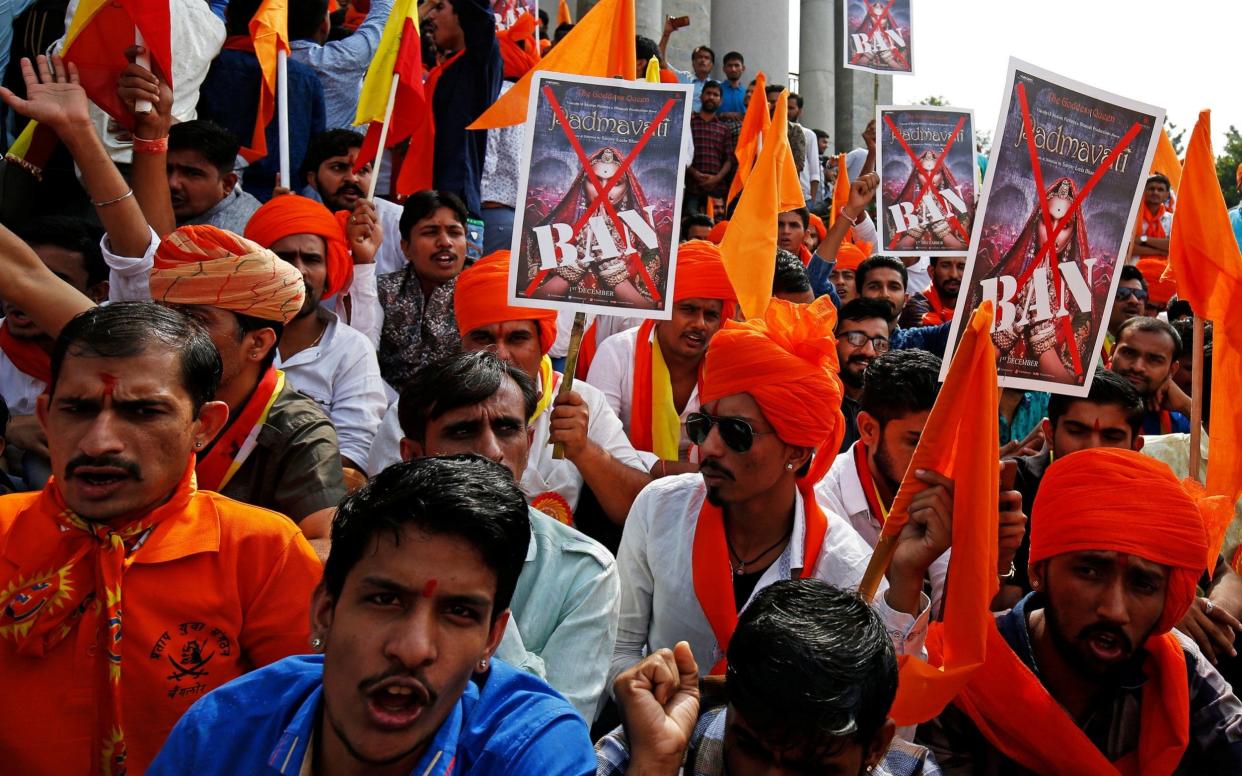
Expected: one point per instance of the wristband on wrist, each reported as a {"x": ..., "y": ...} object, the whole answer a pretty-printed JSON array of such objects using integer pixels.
[
  {"x": 853, "y": 221},
  {"x": 156, "y": 146}
]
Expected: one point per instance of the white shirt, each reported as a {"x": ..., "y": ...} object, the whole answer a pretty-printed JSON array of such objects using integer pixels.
[
  {"x": 543, "y": 473},
  {"x": 841, "y": 491},
  {"x": 612, "y": 372},
  {"x": 341, "y": 373},
  {"x": 812, "y": 170},
  {"x": 918, "y": 276},
  {"x": 20, "y": 390},
  {"x": 502, "y": 161},
  {"x": 658, "y": 604},
  {"x": 389, "y": 257}
]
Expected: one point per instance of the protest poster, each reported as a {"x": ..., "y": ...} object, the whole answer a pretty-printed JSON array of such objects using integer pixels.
[
  {"x": 877, "y": 36},
  {"x": 1063, "y": 187},
  {"x": 929, "y": 181},
  {"x": 600, "y": 187}
]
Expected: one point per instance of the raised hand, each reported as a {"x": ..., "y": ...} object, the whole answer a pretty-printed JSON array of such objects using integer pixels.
[
  {"x": 54, "y": 97},
  {"x": 138, "y": 83},
  {"x": 659, "y": 703}
]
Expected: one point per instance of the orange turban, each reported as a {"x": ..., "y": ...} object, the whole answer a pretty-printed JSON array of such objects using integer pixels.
[
  {"x": 850, "y": 255},
  {"x": 204, "y": 265},
  {"x": 717, "y": 232},
  {"x": 284, "y": 216},
  {"x": 1159, "y": 290},
  {"x": 701, "y": 275},
  {"x": 1147, "y": 514},
  {"x": 817, "y": 224},
  {"x": 481, "y": 298},
  {"x": 787, "y": 361},
  {"x": 518, "y": 60}
]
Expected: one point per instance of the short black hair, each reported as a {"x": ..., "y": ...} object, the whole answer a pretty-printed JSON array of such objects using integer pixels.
[
  {"x": 217, "y": 145},
  {"x": 1131, "y": 272},
  {"x": 1154, "y": 326},
  {"x": 710, "y": 84},
  {"x": 422, "y": 204},
  {"x": 325, "y": 145},
  {"x": 1158, "y": 177},
  {"x": 464, "y": 496},
  {"x": 798, "y": 99},
  {"x": 880, "y": 262},
  {"x": 1108, "y": 388},
  {"x": 708, "y": 49},
  {"x": 76, "y": 235},
  {"x": 899, "y": 383},
  {"x": 811, "y": 666},
  {"x": 821, "y": 134},
  {"x": 645, "y": 48},
  {"x": 695, "y": 219},
  {"x": 304, "y": 18},
  {"x": 1185, "y": 329},
  {"x": 862, "y": 309},
  {"x": 790, "y": 276},
  {"x": 732, "y": 55},
  {"x": 561, "y": 31},
  {"x": 803, "y": 214},
  {"x": 237, "y": 16},
  {"x": 125, "y": 329},
  {"x": 249, "y": 323},
  {"x": 773, "y": 89},
  {"x": 1179, "y": 308},
  {"x": 458, "y": 380}
]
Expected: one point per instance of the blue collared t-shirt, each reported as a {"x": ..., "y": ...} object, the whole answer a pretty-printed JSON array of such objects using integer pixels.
[{"x": 506, "y": 722}]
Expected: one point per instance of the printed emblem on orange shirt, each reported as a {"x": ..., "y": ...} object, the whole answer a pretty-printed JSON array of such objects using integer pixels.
[{"x": 188, "y": 649}]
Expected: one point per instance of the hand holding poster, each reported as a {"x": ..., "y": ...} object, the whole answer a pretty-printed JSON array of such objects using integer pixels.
[
  {"x": 1063, "y": 186},
  {"x": 877, "y": 36},
  {"x": 600, "y": 189},
  {"x": 928, "y": 180}
]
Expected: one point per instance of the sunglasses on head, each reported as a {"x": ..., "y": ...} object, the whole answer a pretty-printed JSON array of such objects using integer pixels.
[
  {"x": 1125, "y": 293},
  {"x": 738, "y": 434}
]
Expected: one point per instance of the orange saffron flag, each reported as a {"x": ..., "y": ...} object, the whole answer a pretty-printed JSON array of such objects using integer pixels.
[
  {"x": 749, "y": 245},
  {"x": 1204, "y": 258},
  {"x": 562, "y": 14},
  {"x": 754, "y": 124},
  {"x": 269, "y": 30},
  {"x": 1165, "y": 161},
  {"x": 96, "y": 40},
  {"x": 960, "y": 441},
  {"x": 840, "y": 190},
  {"x": 601, "y": 44}
]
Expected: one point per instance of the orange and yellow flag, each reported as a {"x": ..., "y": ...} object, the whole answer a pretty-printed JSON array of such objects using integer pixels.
[
  {"x": 601, "y": 44},
  {"x": 961, "y": 440},
  {"x": 269, "y": 31},
  {"x": 1204, "y": 259}
]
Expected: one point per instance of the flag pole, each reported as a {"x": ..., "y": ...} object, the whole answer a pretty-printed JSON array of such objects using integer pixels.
[
  {"x": 142, "y": 60},
  {"x": 1196, "y": 399},
  {"x": 383, "y": 138},
  {"x": 282, "y": 111},
  {"x": 571, "y": 366}
]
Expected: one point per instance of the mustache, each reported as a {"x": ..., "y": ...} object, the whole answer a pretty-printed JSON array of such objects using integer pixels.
[
  {"x": 424, "y": 693},
  {"x": 1106, "y": 629},
  {"x": 131, "y": 468},
  {"x": 715, "y": 468},
  {"x": 347, "y": 188}
]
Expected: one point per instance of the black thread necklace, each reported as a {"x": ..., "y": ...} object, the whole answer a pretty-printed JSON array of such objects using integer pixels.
[{"x": 742, "y": 563}]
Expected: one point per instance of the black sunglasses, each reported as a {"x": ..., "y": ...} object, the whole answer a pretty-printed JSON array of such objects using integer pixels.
[
  {"x": 1124, "y": 293},
  {"x": 738, "y": 435}
]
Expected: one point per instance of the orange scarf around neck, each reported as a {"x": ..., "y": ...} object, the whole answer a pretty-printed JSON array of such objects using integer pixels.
[{"x": 32, "y": 357}]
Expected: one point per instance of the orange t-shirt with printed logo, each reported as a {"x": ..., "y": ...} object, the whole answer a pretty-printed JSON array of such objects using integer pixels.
[{"x": 217, "y": 589}]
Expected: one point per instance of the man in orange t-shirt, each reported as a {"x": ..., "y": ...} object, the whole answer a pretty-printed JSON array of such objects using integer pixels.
[{"x": 124, "y": 596}]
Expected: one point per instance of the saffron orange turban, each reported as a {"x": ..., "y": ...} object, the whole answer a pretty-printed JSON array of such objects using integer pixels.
[
  {"x": 717, "y": 232},
  {"x": 518, "y": 60},
  {"x": 1159, "y": 290},
  {"x": 285, "y": 216},
  {"x": 701, "y": 275},
  {"x": 817, "y": 224},
  {"x": 1147, "y": 514},
  {"x": 204, "y": 265},
  {"x": 787, "y": 361},
  {"x": 850, "y": 255},
  {"x": 481, "y": 298}
]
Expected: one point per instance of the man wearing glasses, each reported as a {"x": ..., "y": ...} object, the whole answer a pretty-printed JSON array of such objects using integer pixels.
[
  {"x": 1131, "y": 303},
  {"x": 862, "y": 336},
  {"x": 698, "y": 547}
]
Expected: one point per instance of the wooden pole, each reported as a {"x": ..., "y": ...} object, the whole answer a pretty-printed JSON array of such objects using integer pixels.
[
  {"x": 1196, "y": 399},
  {"x": 142, "y": 60},
  {"x": 877, "y": 567},
  {"x": 282, "y": 112},
  {"x": 571, "y": 364},
  {"x": 383, "y": 138}
]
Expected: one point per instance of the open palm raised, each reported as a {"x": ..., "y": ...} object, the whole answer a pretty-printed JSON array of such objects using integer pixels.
[{"x": 53, "y": 96}]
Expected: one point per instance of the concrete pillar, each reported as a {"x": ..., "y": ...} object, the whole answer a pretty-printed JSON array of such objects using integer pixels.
[
  {"x": 759, "y": 31},
  {"x": 817, "y": 64},
  {"x": 684, "y": 41},
  {"x": 649, "y": 18},
  {"x": 856, "y": 93}
]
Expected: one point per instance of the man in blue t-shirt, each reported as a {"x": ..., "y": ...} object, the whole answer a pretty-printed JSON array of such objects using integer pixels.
[
  {"x": 1146, "y": 354},
  {"x": 413, "y": 604}
]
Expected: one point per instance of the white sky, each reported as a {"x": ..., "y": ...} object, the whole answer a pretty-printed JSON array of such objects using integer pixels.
[{"x": 1178, "y": 55}]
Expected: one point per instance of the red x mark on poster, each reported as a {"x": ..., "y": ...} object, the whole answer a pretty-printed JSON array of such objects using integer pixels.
[
  {"x": 602, "y": 189},
  {"x": 1066, "y": 333},
  {"x": 872, "y": 25},
  {"x": 928, "y": 176}
]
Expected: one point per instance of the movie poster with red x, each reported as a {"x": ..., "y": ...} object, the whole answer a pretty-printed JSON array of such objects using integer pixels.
[
  {"x": 878, "y": 36},
  {"x": 1063, "y": 187},
  {"x": 929, "y": 181},
  {"x": 599, "y": 191}
]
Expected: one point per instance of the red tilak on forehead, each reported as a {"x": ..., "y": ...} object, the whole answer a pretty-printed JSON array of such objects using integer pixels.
[
  {"x": 1096, "y": 426},
  {"x": 109, "y": 383},
  {"x": 430, "y": 588}
]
